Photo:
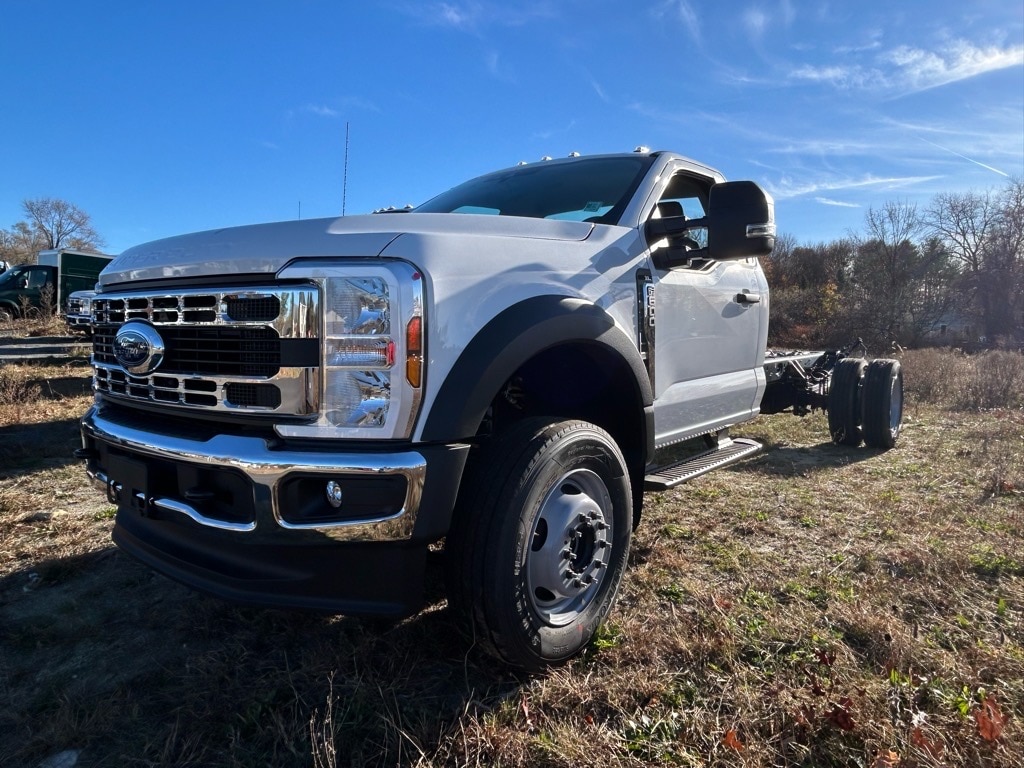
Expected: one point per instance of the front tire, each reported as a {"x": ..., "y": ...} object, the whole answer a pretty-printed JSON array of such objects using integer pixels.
[{"x": 539, "y": 542}]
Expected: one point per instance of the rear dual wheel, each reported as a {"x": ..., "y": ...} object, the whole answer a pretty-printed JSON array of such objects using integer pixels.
[
  {"x": 539, "y": 543},
  {"x": 865, "y": 402},
  {"x": 883, "y": 403},
  {"x": 844, "y": 402}
]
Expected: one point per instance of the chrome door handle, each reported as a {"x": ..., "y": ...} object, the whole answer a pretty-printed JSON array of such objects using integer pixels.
[{"x": 748, "y": 298}]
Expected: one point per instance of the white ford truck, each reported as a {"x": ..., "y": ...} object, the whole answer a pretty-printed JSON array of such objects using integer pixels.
[{"x": 295, "y": 414}]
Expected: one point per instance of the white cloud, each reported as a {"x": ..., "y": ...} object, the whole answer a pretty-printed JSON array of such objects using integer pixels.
[
  {"x": 684, "y": 11},
  {"x": 549, "y": 133},
  {"x": 788, "y": 187},
  {"x": 497, "y": 69},
  {"x": 472, "y": 15},
  {"x": 689, "y": 18},
  {"x": 843, "y": 78},
  {"x": 462, "y": 16},
  {"x": 836, "y": 203},
  {"x": 907, "y": 69},
  {"x": 756, "y": 21},
  {"x": 452, "y": 15},
  {"x": 920, "y": 69},
  {"x": 320, "y": 110}
]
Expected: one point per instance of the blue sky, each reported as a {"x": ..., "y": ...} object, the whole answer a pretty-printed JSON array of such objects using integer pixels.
[{"x": 165, "y": 117}]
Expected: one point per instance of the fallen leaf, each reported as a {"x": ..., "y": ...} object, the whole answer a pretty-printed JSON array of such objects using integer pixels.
[
  {"x": 887, "y": 759},
  {"x": 732, "y": 740},
  {"x": 933, "y": 747},
  {"x": 525, "y": 709},
  {"x": 804, "y": 715},
  {"x": 990, "y": 719},
  {"x": 840, "y": 715}
]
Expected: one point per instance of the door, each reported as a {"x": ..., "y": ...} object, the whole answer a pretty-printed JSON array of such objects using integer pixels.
[
  {"x": 710, "y": 324},
  {"x": 33, "y": 281}
]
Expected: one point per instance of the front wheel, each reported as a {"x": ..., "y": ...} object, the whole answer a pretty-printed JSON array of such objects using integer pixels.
[{"x": 539, "y": 542}]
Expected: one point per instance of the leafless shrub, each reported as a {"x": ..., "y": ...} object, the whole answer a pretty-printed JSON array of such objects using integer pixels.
[
  {"x": 47, "y": 301},
  {"x": 16, "y": 389},
  {"x": 998, "y": 382},
  {"x": 993, "y": 379},
  {"x": 25, "y": 308}
]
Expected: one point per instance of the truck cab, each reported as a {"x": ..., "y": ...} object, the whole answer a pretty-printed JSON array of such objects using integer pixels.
[{"x": 24, "y": 283}]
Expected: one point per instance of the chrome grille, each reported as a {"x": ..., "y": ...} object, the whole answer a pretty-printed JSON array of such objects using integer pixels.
[{"x": 250, "y": 350}]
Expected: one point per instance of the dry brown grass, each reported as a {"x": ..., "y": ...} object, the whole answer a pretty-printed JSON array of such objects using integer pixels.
[
  {"x": 815, "y": 606},
  {"x": 992, "y": 379},
  {"x": 34, "y": 322}
]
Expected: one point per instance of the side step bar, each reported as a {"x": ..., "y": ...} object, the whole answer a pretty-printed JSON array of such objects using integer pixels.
[{"x": 729, "y": 451}]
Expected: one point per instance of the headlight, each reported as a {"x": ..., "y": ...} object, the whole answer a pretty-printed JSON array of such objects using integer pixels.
[
  {"x": 371, "y": 349},
  {"x": 358, "y": 351}
]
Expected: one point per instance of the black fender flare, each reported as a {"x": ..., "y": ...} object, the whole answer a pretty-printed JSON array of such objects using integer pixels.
[{"x": 508, "y": 341}]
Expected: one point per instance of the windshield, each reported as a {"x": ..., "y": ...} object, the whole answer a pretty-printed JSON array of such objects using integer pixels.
[
  {"x": 585, "y": 189},
  {"x": 10, "y": 274}
]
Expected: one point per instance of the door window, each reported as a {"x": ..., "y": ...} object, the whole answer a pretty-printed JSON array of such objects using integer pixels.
[
  {"x": 686, "y": 196},
  {"x": 37, "y": 278}
]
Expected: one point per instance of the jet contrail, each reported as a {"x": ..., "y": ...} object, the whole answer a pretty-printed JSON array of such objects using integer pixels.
[{"x": 964, "y": 157}]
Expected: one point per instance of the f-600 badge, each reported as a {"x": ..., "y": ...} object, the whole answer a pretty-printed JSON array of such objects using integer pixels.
[{"x": 138, "y": 347}]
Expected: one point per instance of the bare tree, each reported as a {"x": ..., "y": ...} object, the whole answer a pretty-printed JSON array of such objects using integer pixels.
[
  {"x": 901, "y": 287},
  {"x": 892, "y": 227},
  {"x": 20, "y": 244},
  {"x": 985, "y": 233},
  {"x": 61, "y": 224},
  {"x": 50, "y": 224},
  {"x": 1006, "y": 267}
]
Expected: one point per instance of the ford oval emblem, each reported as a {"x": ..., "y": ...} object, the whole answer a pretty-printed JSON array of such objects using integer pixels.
[{"x": 138, "y": 347}]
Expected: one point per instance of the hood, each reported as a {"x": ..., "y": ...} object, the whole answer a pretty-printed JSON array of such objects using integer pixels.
[{"x": 266, "y": 248}]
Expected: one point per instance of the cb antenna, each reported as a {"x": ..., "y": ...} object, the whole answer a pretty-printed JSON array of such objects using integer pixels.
[{"x": 344, "y": 178}]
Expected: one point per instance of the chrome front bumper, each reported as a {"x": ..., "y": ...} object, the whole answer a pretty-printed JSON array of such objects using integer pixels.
[{"x": 265, "y": 469}]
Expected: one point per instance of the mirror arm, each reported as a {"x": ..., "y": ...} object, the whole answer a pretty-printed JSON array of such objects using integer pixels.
[
  {"x": 658, "y": 229},
  {"x": 670, "y": 258}
]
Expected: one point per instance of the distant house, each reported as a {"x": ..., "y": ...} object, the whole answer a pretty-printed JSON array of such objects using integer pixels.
[{"x": 954, "y": 329}]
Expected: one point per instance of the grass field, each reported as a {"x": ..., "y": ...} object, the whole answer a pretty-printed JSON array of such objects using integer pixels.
[{"x": 814, "y": 606}]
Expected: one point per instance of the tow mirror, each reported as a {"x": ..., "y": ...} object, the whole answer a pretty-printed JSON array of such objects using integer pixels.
[{"x": 740, "y": 223}]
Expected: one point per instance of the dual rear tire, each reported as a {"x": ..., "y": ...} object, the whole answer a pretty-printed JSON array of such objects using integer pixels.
[{"x": 865, "y": 403}]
